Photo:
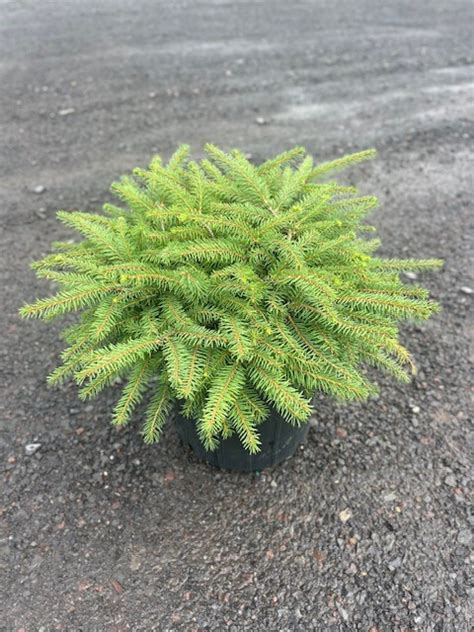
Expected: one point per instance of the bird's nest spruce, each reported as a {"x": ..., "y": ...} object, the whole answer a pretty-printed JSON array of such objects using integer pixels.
[{"x": 230, "y": 288}]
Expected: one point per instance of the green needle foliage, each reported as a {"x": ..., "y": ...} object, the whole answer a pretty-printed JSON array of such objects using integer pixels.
[{"x": 230, "y": 288}]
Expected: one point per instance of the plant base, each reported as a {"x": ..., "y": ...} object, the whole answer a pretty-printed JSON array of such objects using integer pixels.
[{"x": 279, "y": 441}]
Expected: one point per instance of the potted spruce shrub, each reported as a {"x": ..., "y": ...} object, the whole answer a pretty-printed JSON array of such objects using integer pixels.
[{"x": 230, "y": 294}]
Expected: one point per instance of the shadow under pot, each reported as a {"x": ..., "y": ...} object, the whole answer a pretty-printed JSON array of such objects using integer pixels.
[{"x": 279, "y": 441}]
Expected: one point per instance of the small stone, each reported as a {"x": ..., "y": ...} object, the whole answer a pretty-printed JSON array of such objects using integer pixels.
[
  {"x": 344, "y": 614},
  {"x": 411, "y": 275},
  {"x": 135, "y": 563},
  {"x": 32, "y": 448},
  {"x": 66, "y": 111},
  {"x": 466, "y": 290},
  {"x": 415, "y": 410},
  {"x": 261, "y": 121},
  {"x": 465, "y": 537},
  {"x": 450, "y": 480},
  {"x": 273, "y": 484},
  {"x": 152, "y": 95},
  {"x": 228, "y": 73},
  {"x": 345, "y": 515},
  {"x": 39, "y": 189},
  {"x": 41, "y": 213},
  {"x": 395, "y": 563},
  {"x": 117, "y": 586},
  {"x": 388, "y": 498},
  {"x": 319, "y": 556}
]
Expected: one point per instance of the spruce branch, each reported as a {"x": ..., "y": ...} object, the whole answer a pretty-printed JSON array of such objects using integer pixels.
[{"x": 158, "y": 411}]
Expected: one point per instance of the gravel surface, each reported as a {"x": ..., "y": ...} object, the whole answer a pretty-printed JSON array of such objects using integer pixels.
[{"x": 367, "y": 527}]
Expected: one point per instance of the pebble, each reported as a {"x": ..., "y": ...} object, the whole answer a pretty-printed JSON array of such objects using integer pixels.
[
  {"x": 395, "y": 563},
  {"x": 465, "y": 537},
  {"x": 66, "y": 111},
  {"x": 345, "y": 515},
  {"x": 261, "y": 121},
  {"x": 411, "y": 275},
  {"x": 32, "y": 448},
  {"x": 450, "y": 480},
  {"x": 466, "y": 290},
  {"x": 415, "y": 409},
  {"x": 135, "y": 563},
  {"x": 39, "y": 189},
  {"x": 344, "y": 614}
]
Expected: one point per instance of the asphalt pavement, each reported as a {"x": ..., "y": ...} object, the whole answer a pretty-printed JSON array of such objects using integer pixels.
[{"x": 368, "y": 527}]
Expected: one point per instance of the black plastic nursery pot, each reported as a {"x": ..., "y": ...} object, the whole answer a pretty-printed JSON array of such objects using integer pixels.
[{"x": 279, "y": 441}]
